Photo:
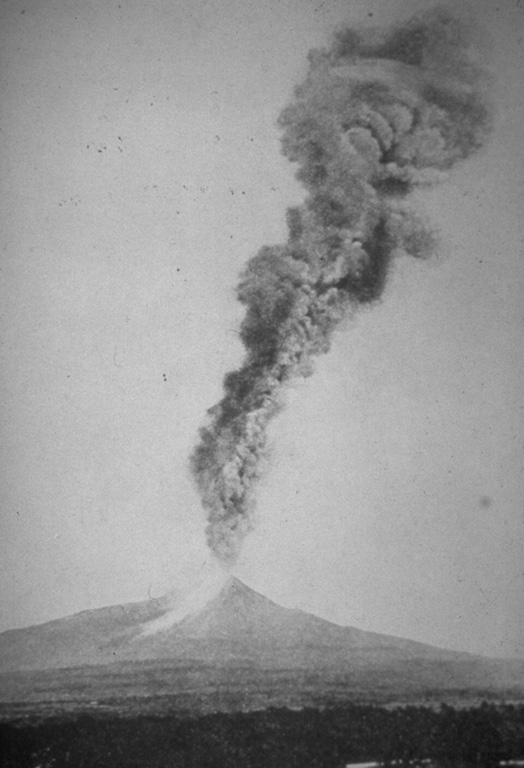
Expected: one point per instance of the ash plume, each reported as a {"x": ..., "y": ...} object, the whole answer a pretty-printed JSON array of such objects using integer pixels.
[{"x": 379, "y": 113}]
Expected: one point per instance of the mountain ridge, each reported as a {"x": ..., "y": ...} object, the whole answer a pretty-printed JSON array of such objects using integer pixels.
[
  {"x": 249, "y": 623},
  {"x": 229, "y": 645}
]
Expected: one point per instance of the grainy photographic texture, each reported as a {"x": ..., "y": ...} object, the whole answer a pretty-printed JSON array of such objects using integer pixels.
[
  {"x": 201, "y": 200},
  {"x": 380, "y": 112}
]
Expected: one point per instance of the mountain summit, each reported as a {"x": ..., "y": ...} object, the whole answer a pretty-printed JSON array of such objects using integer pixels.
[
  {"x": 218, "y": 622},
  {"x": 224, "y": 636}
]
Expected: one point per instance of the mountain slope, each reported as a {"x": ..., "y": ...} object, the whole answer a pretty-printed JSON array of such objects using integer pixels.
[
  {"x": 230, "y": 641},
  {"x": 237, "y": 623}
]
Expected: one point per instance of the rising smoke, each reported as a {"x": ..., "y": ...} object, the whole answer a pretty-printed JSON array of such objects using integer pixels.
[{"x": 379, "y": 114}]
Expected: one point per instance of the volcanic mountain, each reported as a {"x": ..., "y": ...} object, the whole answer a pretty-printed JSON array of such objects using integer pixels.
[{"x": 226, "y": 643}]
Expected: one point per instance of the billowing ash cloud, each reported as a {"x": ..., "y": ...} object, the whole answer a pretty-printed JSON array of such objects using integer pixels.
[{"x": 378, "y": 114}]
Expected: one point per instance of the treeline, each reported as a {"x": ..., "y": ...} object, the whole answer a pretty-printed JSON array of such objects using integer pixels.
[{"x": 479, "y": 737}]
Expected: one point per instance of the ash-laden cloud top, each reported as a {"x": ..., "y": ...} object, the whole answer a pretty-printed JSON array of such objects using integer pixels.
[{"x": 379, "y": 113}]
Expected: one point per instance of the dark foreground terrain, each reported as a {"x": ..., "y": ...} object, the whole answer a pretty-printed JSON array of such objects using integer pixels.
[
  {"x": 236, "y": 680},
  {"x": 485, "y": 736}
]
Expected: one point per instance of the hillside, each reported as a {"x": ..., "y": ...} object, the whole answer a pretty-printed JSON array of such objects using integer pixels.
[{"x": 232, "y": 642}]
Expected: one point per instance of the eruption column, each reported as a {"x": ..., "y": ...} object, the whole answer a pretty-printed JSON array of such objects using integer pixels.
[{"x": 378, "y": 114}]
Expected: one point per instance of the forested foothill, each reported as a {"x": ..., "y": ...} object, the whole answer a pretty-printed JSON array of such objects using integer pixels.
[{"x": 445, "y": 737}]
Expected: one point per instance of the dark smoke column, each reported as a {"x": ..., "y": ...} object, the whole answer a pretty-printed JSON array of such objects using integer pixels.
[{"x": 378, "y": 114}]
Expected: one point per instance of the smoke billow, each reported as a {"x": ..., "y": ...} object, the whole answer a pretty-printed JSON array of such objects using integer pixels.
[{"x": 379, "y": 114}]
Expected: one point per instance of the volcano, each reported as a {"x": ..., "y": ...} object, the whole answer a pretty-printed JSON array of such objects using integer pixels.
[{"x": 226, "y": 646}]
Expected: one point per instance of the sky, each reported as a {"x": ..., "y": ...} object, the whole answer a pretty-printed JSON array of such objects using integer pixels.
[{"x": 140, "y": 170}]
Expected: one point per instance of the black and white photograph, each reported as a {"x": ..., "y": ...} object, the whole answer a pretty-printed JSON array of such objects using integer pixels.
[{"x": 262, "y": 384}]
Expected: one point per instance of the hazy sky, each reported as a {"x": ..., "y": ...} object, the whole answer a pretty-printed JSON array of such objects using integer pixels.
[{"x": 140, "y": 169}]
